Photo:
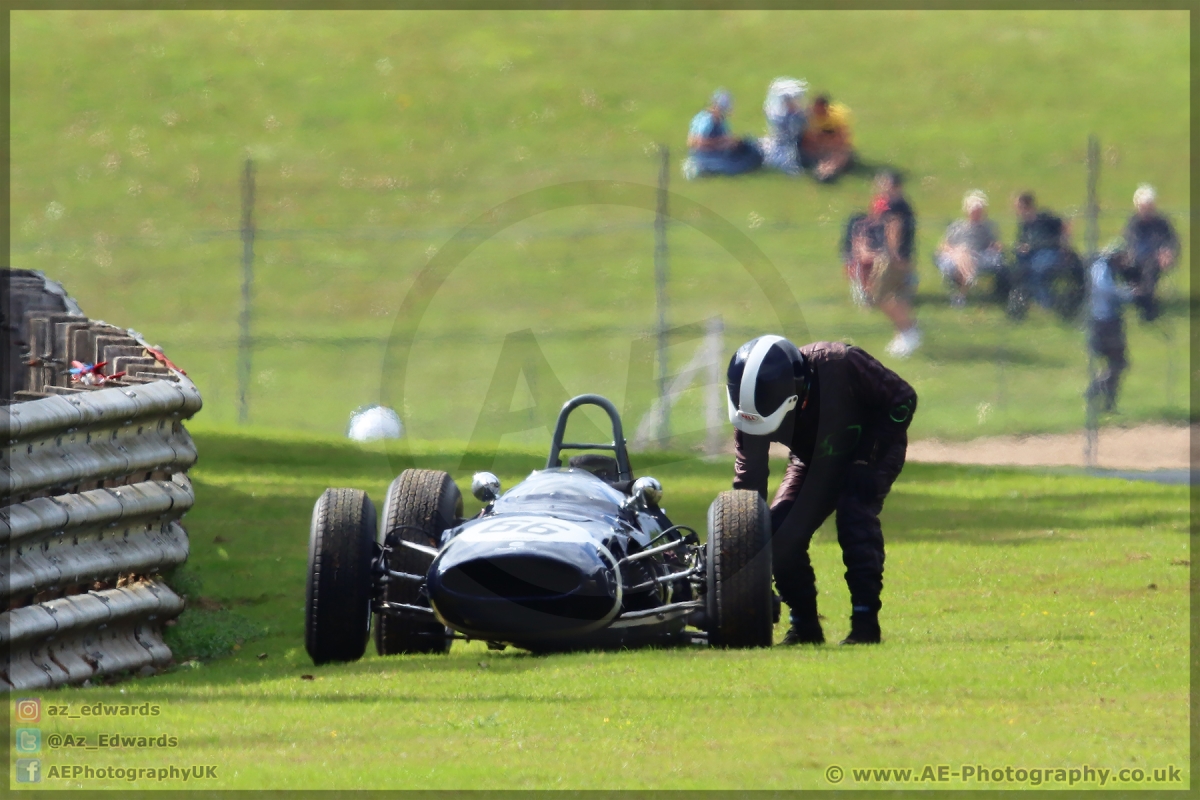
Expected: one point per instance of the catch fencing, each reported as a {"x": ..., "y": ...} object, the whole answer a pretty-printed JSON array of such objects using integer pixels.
[{"x": 94, "y": 483}]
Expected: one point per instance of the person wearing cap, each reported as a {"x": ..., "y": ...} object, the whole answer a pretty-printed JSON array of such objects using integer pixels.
[
  {"x": 826, "y": 147},
  {"x": 1152, "y": 248},
  {"x": 844, "y": 418},
  {"x": 786, "y": 121},
  {"x": 970, "y": 245},
  {"x": 712, "y": 150}
]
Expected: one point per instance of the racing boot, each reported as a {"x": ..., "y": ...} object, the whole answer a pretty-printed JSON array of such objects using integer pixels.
[
  {"x": 806, "y": 627},
  {"x": 805, "y": 632},
  {"x": 864, "y": 628}
]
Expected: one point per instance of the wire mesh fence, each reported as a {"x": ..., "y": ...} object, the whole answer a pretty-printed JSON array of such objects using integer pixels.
[{"x": 318, "y": 336}]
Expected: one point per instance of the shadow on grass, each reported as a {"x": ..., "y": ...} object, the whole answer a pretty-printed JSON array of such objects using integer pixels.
[
  {"x": 230, "y": 452},
  {"x": 1042, "y": 517},
  {"x": 400, "y": 677},
  {"x": 331, "y": 460},
  {"x": 941, "y": 350}
]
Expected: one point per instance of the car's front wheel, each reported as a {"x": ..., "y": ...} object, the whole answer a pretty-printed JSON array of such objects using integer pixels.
[
  {"x": 420, "y": 505},
  {"x": 337, "y": 605},
  {"x": 741, "y": 608}
]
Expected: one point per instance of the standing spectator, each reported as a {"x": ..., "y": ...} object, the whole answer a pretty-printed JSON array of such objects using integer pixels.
[
  {"x": 1152, "y": 248},
  {"x": 897, "y": 282},
  {"x": 712, "y": 150},
  {"x": 1106, "y": 324},
  {"x": 786, "y": 121},
  {"x": 1041, "y": 239},
  {"x": 970, "y": 245},
  {"x": 826, "y": 146}
]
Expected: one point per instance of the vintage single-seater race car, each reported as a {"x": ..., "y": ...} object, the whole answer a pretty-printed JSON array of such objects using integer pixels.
[{"x": 572, "y": 557}]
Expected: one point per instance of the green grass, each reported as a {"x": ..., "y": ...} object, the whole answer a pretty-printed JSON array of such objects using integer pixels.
[
  {"x": 1019, "y": 620},
  {"x": 1030, "y": 620},
  {"x": 379, "y": 135}
]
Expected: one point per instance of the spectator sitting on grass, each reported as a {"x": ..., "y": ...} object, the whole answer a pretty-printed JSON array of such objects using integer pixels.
[
  {"x": 786, "y": 121},
  {"x": 826, "y": 147},
  {"x": 1152, "y": 248},
  {"x": 969, "y": 246},
  {"x": 1041, "y": 238},
  {"x": 711, "y": 148}
]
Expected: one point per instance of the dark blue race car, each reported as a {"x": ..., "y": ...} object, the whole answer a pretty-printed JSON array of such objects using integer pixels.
[{"x": 573, "y": 557}]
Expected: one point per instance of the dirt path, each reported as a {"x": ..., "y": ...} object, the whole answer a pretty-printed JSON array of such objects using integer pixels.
[{"x": 1145, "y": 447}]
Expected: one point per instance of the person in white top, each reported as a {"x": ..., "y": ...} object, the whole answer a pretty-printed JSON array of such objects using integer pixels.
[{"x": 971, "y": 245}]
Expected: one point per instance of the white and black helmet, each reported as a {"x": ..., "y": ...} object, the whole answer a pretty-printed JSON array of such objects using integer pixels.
[{"x": 765, "y": 380}]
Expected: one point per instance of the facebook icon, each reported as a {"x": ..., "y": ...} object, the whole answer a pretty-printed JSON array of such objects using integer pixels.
[{"x": 29, "y": 770}]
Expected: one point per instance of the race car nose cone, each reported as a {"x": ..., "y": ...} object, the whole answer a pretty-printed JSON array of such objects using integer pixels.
[
  {"x": 524, "y": 589},
  {"x": 519, "y": 577}
]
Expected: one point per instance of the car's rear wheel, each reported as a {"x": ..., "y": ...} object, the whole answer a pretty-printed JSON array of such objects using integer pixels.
[
  {"x": 337, "y": 609},
  {"x": 420, "y": 505},
  {"x": 740, "y": 600}
]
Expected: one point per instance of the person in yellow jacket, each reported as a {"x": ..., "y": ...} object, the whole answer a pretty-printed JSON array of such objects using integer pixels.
[{"x": 827, "y": 147}]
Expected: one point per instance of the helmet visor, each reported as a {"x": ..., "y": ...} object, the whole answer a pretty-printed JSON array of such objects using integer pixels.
[{"x": 756, "y": 424}]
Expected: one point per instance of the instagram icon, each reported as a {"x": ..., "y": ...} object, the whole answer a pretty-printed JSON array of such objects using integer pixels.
[{"x": 29, "y": 709}]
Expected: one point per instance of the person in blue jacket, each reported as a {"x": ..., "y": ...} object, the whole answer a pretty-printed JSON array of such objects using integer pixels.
[
  {"x": 712, "y": 150},
  {"x": 1106, "y": 324}
]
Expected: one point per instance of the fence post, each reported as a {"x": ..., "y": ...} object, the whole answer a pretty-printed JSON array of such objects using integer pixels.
[
  {"x": 660, "y": 292},
  {"x": 1091, "y": 240},
  {"x": 245, "y": 345}
]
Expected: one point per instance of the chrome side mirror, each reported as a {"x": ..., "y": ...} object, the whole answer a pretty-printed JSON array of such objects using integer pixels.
[
  {"x": 647, "y": 491},
  {"x": 485, "y": 487}
]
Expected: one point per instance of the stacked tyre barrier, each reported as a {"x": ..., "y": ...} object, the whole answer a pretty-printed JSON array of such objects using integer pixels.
[{"x": 93, "y": 484}]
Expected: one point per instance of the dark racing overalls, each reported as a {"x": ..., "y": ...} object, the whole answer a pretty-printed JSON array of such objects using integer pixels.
[{"x": 848, "y": 445}]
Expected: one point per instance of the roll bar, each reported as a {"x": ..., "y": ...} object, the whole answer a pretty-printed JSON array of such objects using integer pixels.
[{"x": 624, "y": 471}]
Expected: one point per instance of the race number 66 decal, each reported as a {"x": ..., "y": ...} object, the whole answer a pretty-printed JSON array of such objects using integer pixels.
[{"x": 538, "y": 528}]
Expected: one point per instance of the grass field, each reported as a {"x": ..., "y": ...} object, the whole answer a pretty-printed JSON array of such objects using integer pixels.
[
  {"x": 377, "y": 136},
  {"x": 1030, "y": 620}
]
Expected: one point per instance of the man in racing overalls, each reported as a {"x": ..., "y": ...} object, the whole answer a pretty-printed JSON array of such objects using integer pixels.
[{"x": 844, "y": 417}]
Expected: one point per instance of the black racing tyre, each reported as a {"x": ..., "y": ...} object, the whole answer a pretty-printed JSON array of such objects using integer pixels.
[
  {"x": 1017, "y": 306},
  {"x": 1001, "y": 284},
  {"x": 1012, "y": 290},
  {"x": 740, "y": 601},
  {"x": 337, "y": 609},
  {"x": 420, "y": 505},
  {"x": 1067, "y": 286}
]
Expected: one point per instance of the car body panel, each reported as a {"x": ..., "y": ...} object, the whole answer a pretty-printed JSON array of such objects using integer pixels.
[{"x": 538, "y": 565}]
